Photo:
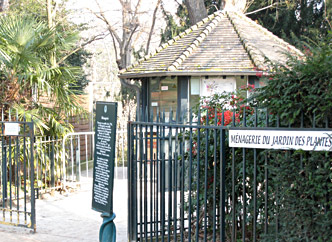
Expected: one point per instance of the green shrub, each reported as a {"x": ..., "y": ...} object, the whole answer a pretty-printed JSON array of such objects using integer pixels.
[
  {"x": 301, "y": 182},
  {"x": 301, "y": 85}
]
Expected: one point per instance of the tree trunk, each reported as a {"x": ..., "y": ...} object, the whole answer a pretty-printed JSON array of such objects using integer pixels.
[
  {"x": 125, "y": 49},
  {"x": 4, "y": 4},
  {"x": 51, "y": 12},
  {"x": 196, "y": 10}
]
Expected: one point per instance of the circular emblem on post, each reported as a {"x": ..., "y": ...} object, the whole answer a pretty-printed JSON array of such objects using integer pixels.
[{"x": 105, "y": 109}]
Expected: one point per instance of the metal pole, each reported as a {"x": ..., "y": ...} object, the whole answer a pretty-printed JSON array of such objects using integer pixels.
[
  {"x": 32, "y": 177},
  {"x": 78, "y": 160},
  {"x": 52, "y": 164},
  {"x": 122, "y": 139},
  {"x": 107, "y": 232},
  {"x": 86, "y": 156}
]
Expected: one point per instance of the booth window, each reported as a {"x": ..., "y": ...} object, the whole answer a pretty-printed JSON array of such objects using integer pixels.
[
  {"x": 164, "y": 95},
  {"x": 194, "y": 91}
]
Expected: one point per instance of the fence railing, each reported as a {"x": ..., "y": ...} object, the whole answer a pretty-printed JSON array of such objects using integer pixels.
[
  {"x": 47, "y": 160},
  {"x": 74, "y": 146},
  {"x": 59, "y": 162},
  {"x": 62, "y": 163}
]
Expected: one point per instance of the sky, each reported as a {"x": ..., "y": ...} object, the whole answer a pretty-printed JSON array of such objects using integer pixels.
[{"x": 82, "y": 12}]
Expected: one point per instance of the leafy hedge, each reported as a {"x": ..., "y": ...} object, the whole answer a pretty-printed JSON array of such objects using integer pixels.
[
  {"x": 299, "y": 182},
  {"x": 302, "y": 89},
  {"x": 301, "y": 85}
]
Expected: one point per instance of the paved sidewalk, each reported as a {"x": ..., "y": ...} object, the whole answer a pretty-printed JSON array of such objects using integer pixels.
[{"x": 71, "y": 218}]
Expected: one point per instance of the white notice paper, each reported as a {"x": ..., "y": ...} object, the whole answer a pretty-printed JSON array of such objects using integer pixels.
[{"x": 12, "y": 128}]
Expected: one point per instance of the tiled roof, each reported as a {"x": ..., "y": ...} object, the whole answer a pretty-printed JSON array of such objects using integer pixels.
[{"x": 223, "y": 43}]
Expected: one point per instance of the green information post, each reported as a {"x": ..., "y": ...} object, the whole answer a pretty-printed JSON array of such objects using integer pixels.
[{"x": 103, "y": 169}]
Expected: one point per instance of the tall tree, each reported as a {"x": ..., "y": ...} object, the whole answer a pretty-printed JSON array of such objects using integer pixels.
[
  {"x": 123, "y": 43},
  {"x": 123, "y": 37},
  {"x": 196, "y": 10}
]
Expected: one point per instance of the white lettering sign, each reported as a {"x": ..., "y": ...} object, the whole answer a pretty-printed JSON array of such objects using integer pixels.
[
  {"x": 12, "y": 128},
  {"x": 281, "y": 139}
]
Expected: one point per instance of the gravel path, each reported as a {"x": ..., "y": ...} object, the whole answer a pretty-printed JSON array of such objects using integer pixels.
[{"x": 70, "y": 218}]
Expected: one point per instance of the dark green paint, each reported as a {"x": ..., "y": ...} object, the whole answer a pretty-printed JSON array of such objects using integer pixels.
[{"x": 103, "y": 169}]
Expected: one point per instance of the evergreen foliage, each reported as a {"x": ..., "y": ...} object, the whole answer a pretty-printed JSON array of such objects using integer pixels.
[
  {"x": 301, "y": 181},
  {"x": 301, "y": 85},
  {"x": 174, "y": 27},
  {"x": 294, "y": 21},
  {"x": 26, "y": 47},
  {"x": 38, "y": 11}
]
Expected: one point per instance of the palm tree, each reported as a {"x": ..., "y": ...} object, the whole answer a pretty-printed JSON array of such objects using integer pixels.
[{"x": 27, "y": 74}]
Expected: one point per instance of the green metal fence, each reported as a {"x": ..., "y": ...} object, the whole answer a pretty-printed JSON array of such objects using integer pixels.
[
  {"x": 186, "y": 184},
  {"x": 17, "y": 178}
]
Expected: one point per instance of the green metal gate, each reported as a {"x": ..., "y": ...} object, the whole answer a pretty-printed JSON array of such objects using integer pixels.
[
  {"x": 186, "y": 183},
  {"x": 162, "y": 180},
  {"x": 17, "y": 197}
]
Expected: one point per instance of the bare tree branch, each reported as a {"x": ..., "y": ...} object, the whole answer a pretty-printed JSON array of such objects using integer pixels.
[
  {"x": 49, "y": 14},
  {"x": 92, "y": 39},
  {"x": 131, "y": 36},
  {"x": 178, "y": 2},
  {"x": 152, "y": 26},
  {"x": 136, "y": 9},
  {"x": 114, "y": 46},
  {"x": 261, "y": 9},
  {"x": 109, "y": 25},
  {"x": 130, "y": 29},
  {"x": 248, "y": 4},
  {"x": 121, "y": 2}
]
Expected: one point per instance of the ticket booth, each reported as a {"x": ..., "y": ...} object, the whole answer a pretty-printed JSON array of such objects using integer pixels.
[{"x": 220, "y": 53}]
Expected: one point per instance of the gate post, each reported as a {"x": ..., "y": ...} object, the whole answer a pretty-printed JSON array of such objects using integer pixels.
[
  {"x": 129, "y": 172},
  {"x": 78, "y": 160},
  {"x": 32, "y": 177},
  {"x": 222, "y": 183},
  {"x": 52, "y": 164},
  {"x": 4, "y": 173},
  {"x": 132, "y": 173}
]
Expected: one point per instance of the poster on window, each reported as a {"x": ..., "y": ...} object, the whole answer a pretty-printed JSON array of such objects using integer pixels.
[{"x": 212, "y": 86}]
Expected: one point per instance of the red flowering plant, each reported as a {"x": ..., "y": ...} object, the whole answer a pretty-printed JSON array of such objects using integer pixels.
[
  {"x": 224, "y": 108},
  {"x": 203, "y": 151}
]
